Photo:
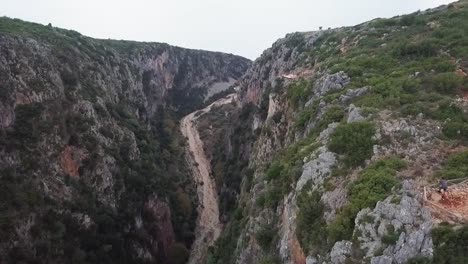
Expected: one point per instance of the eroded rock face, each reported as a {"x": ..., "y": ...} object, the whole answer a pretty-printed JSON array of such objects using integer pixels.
[
  {"x": 410, "y": 138},
  {"x": 331, "y": 82},
  {"x": 317, "y": 169},
  {"x": 70, "y": 160},
  {"x": 340, "y": 252},
  {"x": 276, "y": 61},
  {"x": 158, "y": 216},
  {"x": 402, "y": 216},
  {"x": 354, "y": 114}
]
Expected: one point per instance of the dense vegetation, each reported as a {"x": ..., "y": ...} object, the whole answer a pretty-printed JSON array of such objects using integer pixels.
[
  {"x": 310, "y": 222},
  {"x": 285, "y": 170},
  {"x": 450, "y": 244},
  {"x": 354, "y": 141},
  {"x": 56, "y": 234},
  {"x": 456, "y": 166},
  {"x": 374, "y": 184}
]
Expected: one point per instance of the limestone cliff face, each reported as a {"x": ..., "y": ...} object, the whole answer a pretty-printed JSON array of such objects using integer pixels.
[
  {"x": 297, "y": 200},
  {"x": 90, "y": 144}
]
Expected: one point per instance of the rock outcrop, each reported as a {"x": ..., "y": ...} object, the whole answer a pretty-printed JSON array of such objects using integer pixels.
[{"x": 401, "y": 216}]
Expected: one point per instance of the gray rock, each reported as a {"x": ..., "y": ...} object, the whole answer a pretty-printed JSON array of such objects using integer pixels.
[
  {"x": 352, "y": 94},
  {"x": 340, "y": 251},
  {"x": 408, "y": 218},
  {"x": 333, "y": 201},
  {"x": 381, "y": 260},
  {"x": 317, "y": 169},
  {"x": 331, "y": 82},
  {"x": 325, "y": 134},
  {"x": 311, "y": 260},
  {"x": 354, "y": 114}
]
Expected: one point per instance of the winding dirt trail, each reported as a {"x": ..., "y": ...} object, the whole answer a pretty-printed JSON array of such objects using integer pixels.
[{"x": 208, "y": 225}]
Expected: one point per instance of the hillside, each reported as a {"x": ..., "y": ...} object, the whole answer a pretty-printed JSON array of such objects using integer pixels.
[
  {"x": 93, "y": 163},
  {"x": 336, "y": 135},
  {"x": 327, "y": 149}
]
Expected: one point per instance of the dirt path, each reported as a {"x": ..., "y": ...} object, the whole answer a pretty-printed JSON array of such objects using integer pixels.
[{"x": 208, "y": 226}]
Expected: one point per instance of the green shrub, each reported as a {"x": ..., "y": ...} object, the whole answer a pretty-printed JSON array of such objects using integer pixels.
[
  {"x": 27, "y": 120},
  {"x": 416, "y": 49},
  {"x": 274, "y": 171},
  {"x": 391, "y": 237},
  {"x": 273, "y": 196},
  {"x": 265, "y": 236},
  {"x": 450, "y": 244},
  {"x": 374, "y": 184},
  {"x": 354, "y": 141},
  {"x": 270, "y": 260},
  {"x": 455, "y": 167},
  {"x": 332, "y": 115},
  {"x": 448, "y": 110},
  {"x": 420, "y": 260},
  {"x": 304, "y": 117},
  {"x": 310, "y": 223},
  {"x": 298, "y": 92},
  {"x": 455, "y": 130},
  {"x": 178, "y": 254},
  {"x": 445, "y": 83}
]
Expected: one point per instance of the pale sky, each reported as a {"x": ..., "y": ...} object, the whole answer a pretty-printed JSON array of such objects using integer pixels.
[{"x": 242, "y": 27}]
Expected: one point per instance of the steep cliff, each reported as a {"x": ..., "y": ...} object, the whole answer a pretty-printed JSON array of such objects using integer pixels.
[
  {"x": 93, "y": 163},
  {"x": 318, "y": 153},
  {"x": 335, "y": 135}
]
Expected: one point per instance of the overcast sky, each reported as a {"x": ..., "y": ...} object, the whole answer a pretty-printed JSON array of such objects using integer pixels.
[{"x": 243, "y": 27}]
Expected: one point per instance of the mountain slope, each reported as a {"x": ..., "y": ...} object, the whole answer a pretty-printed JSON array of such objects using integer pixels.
[
  {"x": 93, "y": 163},
  {"x": 344, "y": 127}
]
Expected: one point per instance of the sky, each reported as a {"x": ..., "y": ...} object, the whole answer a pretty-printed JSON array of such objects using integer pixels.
[{"x": 242, "y": 27}]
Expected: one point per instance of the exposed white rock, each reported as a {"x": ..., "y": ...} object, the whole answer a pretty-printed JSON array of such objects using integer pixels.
[
  {"x": 408, "y": 217},
  {"x": 317, "y": 169},
  {"x": 354, "y": 114},
  {"x": 352, "y": 94},
  {"x": 326, "y": 133},
  {"x": 331, "y": 82},
  {"x": 340, "y": 251},
  {"x": 311, "y": 260}
]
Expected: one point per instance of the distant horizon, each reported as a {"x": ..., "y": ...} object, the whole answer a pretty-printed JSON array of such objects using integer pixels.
[{"x": 243, "y": 31}]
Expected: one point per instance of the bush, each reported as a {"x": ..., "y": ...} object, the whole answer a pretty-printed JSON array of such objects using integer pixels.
[
  {"x": 354, "y": 141},
  {"x": 448, "y": 110},
  {"x": 178, "y": 254},
  {"x": 417, "y": 49},
  {"x": 265, "y": 236},
  {"x": 455, "y": 167},
  {"x": 456, "y": 130},
  {"x": 374, "y": 184},
  {"x": 298, "y": 92},
  {"x": 420, "y": 260},
  {"x": 445, "y": 83},
  {"x": 274, "y": 171},
  {"x": 333, "y": 114},
  {"x": 450, "y": 244},
  {"x": 310, "y": 223},
  {"x": 273, "y": 196},
  {"x": 304, "y": 117},
  {"x": 27, "y": 120}
]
